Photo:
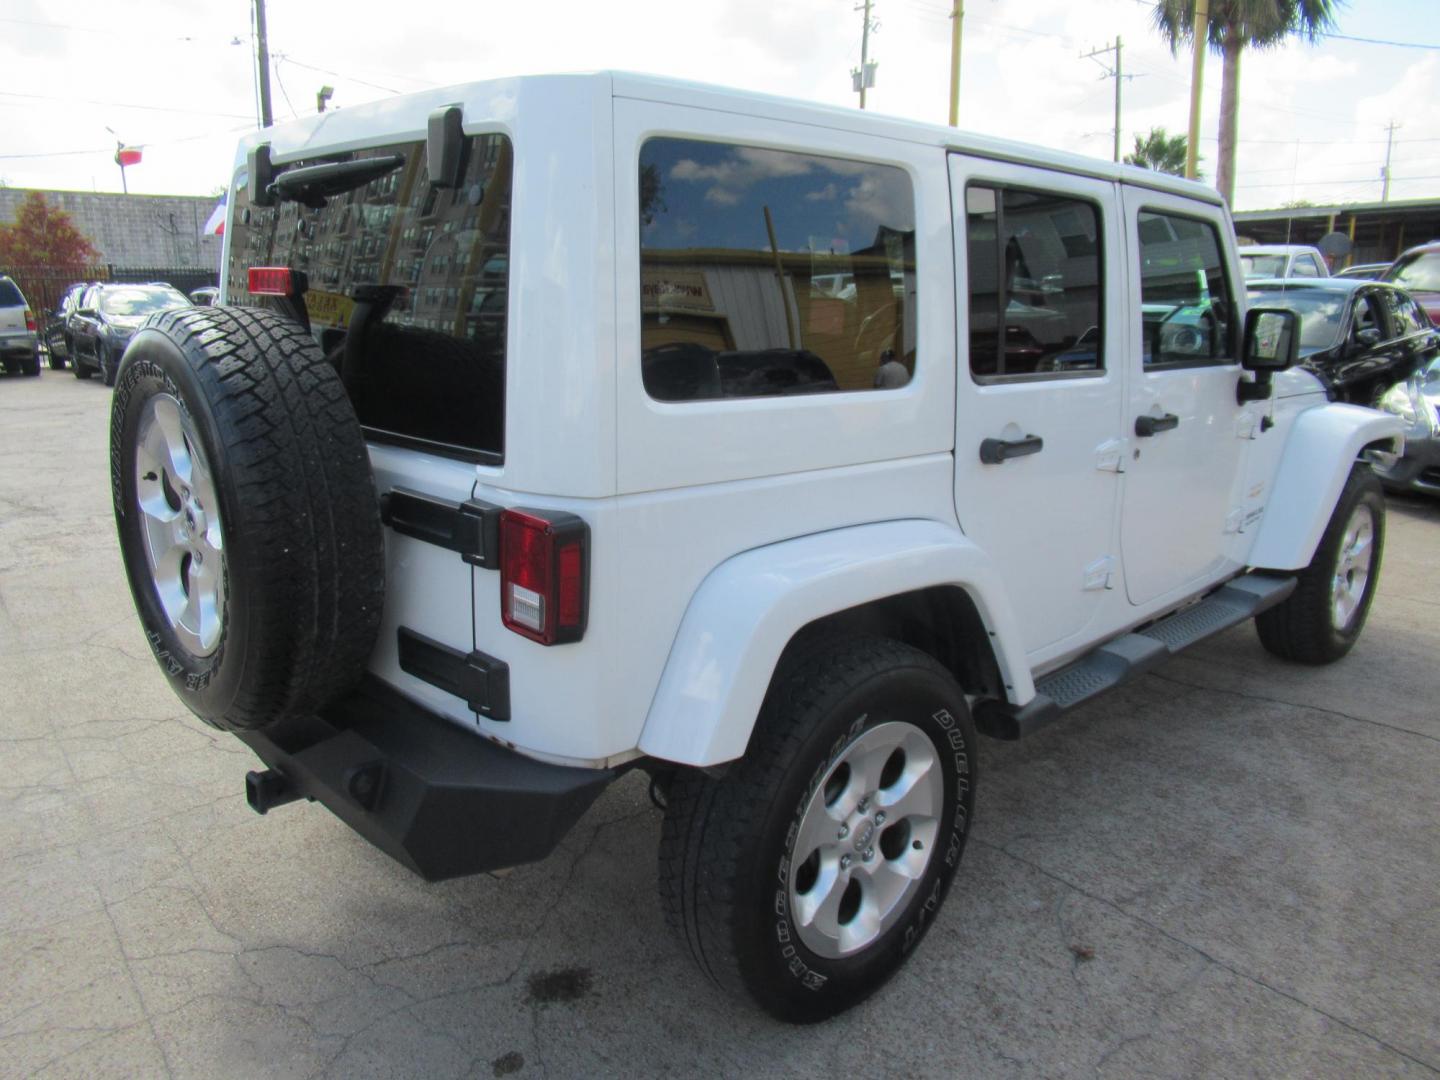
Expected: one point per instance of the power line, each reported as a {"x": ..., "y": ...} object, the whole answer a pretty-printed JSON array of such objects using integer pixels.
[
  {"x": 108, "y": 150},
  {"x": 122, "y": 105},
  {"x": 1381, "y": 41}
]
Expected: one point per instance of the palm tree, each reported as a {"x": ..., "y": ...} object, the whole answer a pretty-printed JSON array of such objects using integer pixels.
[
  {"x": 1160, "y": 151},
  {"x": 1234, "y": 26}
]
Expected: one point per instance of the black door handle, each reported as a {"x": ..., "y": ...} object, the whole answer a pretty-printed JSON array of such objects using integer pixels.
[
  {"x": 1145, "y": 426},
  {"x": 998, "y": 451}
]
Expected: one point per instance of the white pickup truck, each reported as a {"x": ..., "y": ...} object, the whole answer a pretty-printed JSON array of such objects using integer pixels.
[{"x": 555, "y": 427}]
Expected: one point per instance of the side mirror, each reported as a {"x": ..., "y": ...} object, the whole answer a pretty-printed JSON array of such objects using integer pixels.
[
  {"x": 89, "y": 311},
  {"x": 1272, "y": 339},
  {"x": 1271, "y": 344},
  {"x": 1368, "y": 337}
]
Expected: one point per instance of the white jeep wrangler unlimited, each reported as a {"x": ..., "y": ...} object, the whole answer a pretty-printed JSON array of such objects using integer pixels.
[{"x": 561, "y": 426}]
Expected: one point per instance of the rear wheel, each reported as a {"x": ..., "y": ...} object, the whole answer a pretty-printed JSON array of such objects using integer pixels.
[
  {"x": 32, "y": 365},
  {"x": 806, "y": 875},
  {"x": 105, "y": 360},
  {"x": 247, "y": 514},
  {"x": 1323, "y": 617},
  {"x": 77, "y": 365}
]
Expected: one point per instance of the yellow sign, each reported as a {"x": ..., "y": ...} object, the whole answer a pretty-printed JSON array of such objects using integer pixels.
[{"x": 328, "y": 308}]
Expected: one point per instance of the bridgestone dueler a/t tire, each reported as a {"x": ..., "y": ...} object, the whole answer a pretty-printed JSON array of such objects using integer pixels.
[
  {"x": 725, "y": 849},
  {"x": 1302, "y": 628},
  {"x": 303, "y": 549}
]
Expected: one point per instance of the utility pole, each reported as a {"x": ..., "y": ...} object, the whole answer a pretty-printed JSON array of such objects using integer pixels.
[
  {"x": 864, "y": 76},
  {"x": 1200, "y": 31},
  {"x": 957, "y": 20},
  {"x": 262, "y": 49},
  {"x": 1118, "y": 75},
  {"x": 1385, "y": 172}
]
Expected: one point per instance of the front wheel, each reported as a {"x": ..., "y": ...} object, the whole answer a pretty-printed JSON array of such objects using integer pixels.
[
  {"x": 1323, "y": 617},
  {"x": 107, "y": 362},
  {"x": 807, "y": 874}
]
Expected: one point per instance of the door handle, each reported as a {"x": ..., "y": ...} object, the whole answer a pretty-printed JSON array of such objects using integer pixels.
[
  {"x": 1145, "y": 426},
  {"x": 999, "y": 451}
]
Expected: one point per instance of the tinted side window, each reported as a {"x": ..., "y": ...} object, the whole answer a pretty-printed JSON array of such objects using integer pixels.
[
  {"x": 1408, "y": 316},
  {"x": 1035, "y": 271},
  {"x": 407, "y": 290},
  {"x": 767, "y": 272},
  {"x": 10, "y": 294},
  {"x": 1185, "y": 304}
]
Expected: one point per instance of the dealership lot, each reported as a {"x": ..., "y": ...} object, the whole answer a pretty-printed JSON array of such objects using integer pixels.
[{"x": 1230, "y": 867}]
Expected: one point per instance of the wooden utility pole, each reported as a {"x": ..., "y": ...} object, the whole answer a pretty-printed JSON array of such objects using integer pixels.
[
  {"x": 1118, "y": 75},
  {"x": 1200, "y": 32},
  {"x": 1385, "y": 172},
  {"x": 864, "y": 76},
  {"x": 957, "y": 20},
  {"x": 262, "y": 59}
]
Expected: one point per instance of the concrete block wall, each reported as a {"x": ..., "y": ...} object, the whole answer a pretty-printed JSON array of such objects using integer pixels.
[{"x": 134, "y": 230}]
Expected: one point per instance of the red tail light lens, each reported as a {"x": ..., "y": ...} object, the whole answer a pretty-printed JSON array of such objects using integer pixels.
[
  {"x": 30, "y": 321},
  {"x": 544, "y": 565},
  {"x": 272, "y": 281}
]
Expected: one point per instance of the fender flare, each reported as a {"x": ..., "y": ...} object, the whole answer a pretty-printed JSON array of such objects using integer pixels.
[
  {"x": 749, "y": 607},
  {"x": 1324, "y": 443}
]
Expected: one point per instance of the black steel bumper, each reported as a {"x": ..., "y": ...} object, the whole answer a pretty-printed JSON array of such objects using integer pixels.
[{"x": 443, "y": 801}]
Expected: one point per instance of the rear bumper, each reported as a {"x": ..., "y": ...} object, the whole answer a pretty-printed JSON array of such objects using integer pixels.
[{"x": 440, "y": 800}]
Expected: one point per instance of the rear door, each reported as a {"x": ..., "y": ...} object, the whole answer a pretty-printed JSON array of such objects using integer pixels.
[
  {"x": 401, "y": 275},
  {"x": 1038, "y": 444},
  {"x": 1188, "y": 434}
]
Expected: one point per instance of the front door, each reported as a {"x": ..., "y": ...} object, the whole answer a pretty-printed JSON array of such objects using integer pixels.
[
  {"x": 1040, "y": 273},
  {"x": 1186, "y": 431}
]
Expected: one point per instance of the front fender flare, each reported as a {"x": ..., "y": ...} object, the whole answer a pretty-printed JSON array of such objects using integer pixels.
[
  {"x": 749, "y": 607},
  {"x": 1323, "y": 445}
]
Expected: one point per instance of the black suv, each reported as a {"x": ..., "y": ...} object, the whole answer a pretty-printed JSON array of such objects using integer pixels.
[
  {"x": 57, "y": 324},
  {"x": 107, "y": 316}
]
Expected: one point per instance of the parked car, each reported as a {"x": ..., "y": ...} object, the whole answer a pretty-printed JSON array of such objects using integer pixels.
[
  {"x": 204, "y": 296},
  {"x": 57, "y": 324},
  {"x": 1357, "y": 337},
  {"x": 105, "y": 319},
  {"x": 1364, "y": 271},
  {"x": 1282, "y": 261},
  {"x": 1416, "y": 401},
  {"x": 1418, "y": 273},
  {"x": 452, "y": 577},
  {"x": 19, "y": 340}
]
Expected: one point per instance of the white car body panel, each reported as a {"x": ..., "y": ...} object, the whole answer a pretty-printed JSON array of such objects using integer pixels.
[
  {"x": 744, "y": 614},
  {"x": 1323, "y": 444}
]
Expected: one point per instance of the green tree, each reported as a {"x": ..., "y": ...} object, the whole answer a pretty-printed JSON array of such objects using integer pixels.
[
  {"x": 43, "y": 236},
  {"x": 1234, "y": 26},
  {"x": 1159, "y": 150}
]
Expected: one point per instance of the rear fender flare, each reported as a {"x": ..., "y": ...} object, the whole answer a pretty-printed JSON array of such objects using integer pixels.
[
  {"x": 749, "y": 607},
  {"x": 1324, "y": 443}
]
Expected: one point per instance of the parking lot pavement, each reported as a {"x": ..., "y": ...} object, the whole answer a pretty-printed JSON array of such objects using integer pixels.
[{"x": 1231, "y": 867}]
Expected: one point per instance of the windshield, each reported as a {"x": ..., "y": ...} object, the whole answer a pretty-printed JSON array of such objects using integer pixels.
[
  {"x": 1262, "y": 266},
  {"x": 125, "y": 302},
  {"x": 1419, "y": 272},
  {"x": 1320, "y": 313}
]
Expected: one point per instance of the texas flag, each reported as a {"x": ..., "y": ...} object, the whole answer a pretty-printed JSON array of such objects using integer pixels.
[{"x": 215, "y": 226}]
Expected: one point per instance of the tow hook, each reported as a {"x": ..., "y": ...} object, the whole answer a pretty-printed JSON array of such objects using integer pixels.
[{"x": 266, "y": 790}]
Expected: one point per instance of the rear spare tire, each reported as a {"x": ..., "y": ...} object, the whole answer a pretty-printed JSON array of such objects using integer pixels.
[{"x": 247, "y": 514}]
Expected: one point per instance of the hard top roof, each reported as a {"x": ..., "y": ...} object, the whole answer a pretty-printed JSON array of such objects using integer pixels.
[{"x": 404, "y": 117}]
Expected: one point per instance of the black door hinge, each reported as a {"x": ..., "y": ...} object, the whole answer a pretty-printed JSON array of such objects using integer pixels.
[{"x": 472, "y": 528}]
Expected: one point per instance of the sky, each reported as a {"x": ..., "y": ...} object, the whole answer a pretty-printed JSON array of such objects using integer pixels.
[{"x": 177, "y": 77}]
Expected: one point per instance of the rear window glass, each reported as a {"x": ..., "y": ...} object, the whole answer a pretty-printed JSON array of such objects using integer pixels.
[
  {"x": 10, "y": 294},
  {"x": 766, "y": 273},
  {"x": 407, "y": 291}
]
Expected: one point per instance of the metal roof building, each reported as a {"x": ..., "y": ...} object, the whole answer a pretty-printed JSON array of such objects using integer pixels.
[{"x": 1379, "y": 231}]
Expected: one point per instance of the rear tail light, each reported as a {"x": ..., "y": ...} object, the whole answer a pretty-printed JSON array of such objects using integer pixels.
[
  {"x": 544, "y": 571},
  {"x": 275, "y": 281},
  {"x": 30, "y": 321}
]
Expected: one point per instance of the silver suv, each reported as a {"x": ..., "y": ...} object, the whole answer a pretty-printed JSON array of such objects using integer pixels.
[{"x": 19, "y": 340}]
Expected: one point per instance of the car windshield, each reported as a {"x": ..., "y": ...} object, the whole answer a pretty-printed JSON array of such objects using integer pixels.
[
  {"x": 1261, "y": 266},
  {"x": 140, "y": 301},
  {"x": 1320, "y": 313},
  {"x": 1419, "y": 272}
]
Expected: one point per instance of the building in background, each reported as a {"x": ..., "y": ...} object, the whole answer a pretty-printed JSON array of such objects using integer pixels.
[
  {"x": 1378, "y": 231},
  {"x": 134, "y": 230}
]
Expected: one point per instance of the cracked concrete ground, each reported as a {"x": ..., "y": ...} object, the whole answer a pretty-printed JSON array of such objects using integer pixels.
[{"x": 1229, "y": 868}]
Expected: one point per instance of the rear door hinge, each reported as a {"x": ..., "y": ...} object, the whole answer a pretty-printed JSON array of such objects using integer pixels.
[{"x": 472, "y": 528}]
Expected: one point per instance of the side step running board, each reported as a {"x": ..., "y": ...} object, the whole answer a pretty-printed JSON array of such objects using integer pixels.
[{"x": 1132, "y": 655}]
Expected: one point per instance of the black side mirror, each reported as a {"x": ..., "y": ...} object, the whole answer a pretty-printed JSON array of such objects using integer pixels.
[
  {"x": 1368, "y": 337},
  {"x": 1272, "y": 343}
]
